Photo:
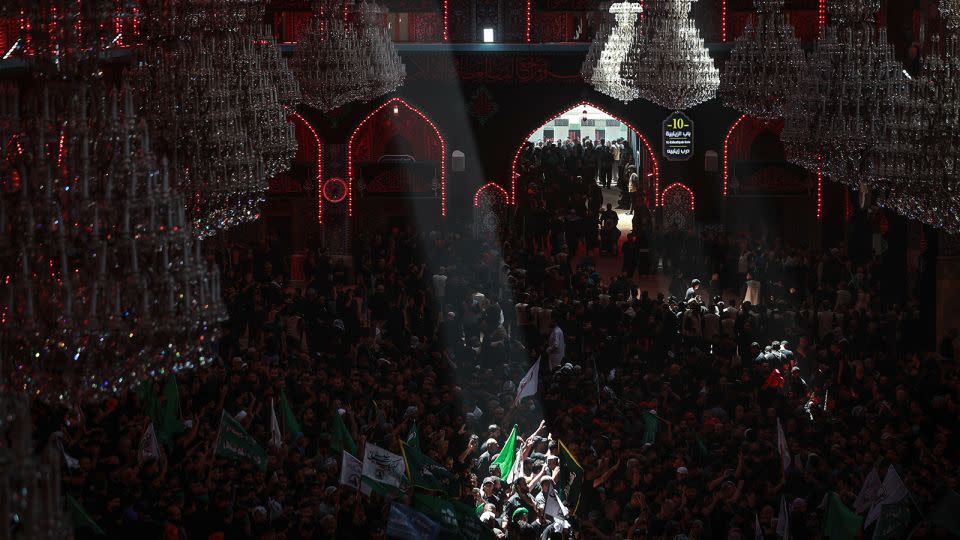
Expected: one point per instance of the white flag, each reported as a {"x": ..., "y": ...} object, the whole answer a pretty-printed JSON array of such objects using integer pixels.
[
  {"x": 868, "y": 493},
  {"x": 757, "y": 529},
  {"x": 276, "y": 438},
  {"x": 553, "y": 506},
  {"x": 382, "y": 465},
  {"x": 891, "y": 491},
  {"x": 782, "y": 446},
  {"x": 149, "y": 448},
  {"x": 72, "y": 462},
  {"x": 783, "y": 520},
  {"x": 528, "y": 384},
  {"x": 517, "y": 470},
  {"x": 350, "y": 470}
]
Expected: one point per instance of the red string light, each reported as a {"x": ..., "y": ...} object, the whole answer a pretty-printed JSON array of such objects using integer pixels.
[
  {"x": 819, "y": 193},
  {"x": 726, "y": 153},
  {"x": 528, "y": 13},
  {"x": 446, "y": 20},
  {"x": 443, "y": 153},
  {"x": 675, "y": 185},
  {"x": 488, "y": 186},
  {"x": 516, "y": 156},
  {"x": 822, "y": 15},
  {"x": 723, "y": 21},
  {"x": 316, "y": 139}
]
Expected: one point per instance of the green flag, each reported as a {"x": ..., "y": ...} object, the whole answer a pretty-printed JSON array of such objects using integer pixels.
[
  {"x": 168, "y": 423},
  {"x": 289, "y": 421},
  {"x": 571, "y": 478},
  {"x": 441, "y": 511},
  {"x": 426, "y": 473},
  {"x": 413, "y": 436},
  {"x": 233, "y": 442},
  {"x": 650, "y": 425},
  {"x": 469, "y": 523},
  {"x": 508, "y": 454},
  {"x": 340, "y": 439},
  {"x": 895, "y": 520},
  {"x": 839, "y": 522},
  {"x": 80, "y": 518}
]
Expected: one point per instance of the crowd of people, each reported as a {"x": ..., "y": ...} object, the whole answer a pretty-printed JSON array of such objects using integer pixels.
[{"x": 667, "y": 402}]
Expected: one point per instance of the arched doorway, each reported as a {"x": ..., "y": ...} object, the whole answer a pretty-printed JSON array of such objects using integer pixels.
[
  {"x": 764, "y": 194},
  {"x": 678, "y": 204},
  {"x": 397, "y": 164},
  {"x": 489, "y": 209},
  {"x": 559, "y": 128}
]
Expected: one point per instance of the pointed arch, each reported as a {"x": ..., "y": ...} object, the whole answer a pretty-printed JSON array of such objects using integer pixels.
[
  {"x": 398, "y": 105},
  {"x": 640, "y": 135},
  {"x": 684, "y": 187},
  {"x": 494, "y": 188}
]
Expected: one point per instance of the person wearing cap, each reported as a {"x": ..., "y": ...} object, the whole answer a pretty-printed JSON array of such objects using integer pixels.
[
  {"x": 520, "y": 526},
  {"x": 489, "y": 492}
]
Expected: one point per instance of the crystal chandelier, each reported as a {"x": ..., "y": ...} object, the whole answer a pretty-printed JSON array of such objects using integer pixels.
[
  {"x": 670, "y": 65},
  {"x": 765, "y": 66},
  {"x": 340, "y": 62},
  {"x": 104, "y": 284},
  {"x": 604, "y": 28},
  {"x": 843, "y": 107},
  {"x": 218, "y": 89},
  {"x": 607, "y": 76},
  {"x": 30, "y": 484},
  {"x": 918, "y": 170}
]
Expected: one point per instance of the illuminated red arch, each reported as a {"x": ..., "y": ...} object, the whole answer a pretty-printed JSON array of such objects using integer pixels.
[
  {"x": 679, "y": 185},
  {"x": 646, "y": 143},
  {"x": 398, "y": 102},
  {"x": 726, "y": 163},
  {"x": 316, "y": 139},
  {"x": 496, "y": 188}
]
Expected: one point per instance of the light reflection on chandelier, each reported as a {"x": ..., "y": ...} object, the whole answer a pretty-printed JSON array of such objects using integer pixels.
[
  {"x": 339, "y": 62},
  {"x": 765, "y": 66},
  {"x": 844, "y": 106},
  {"x": 919, "y": 166},
  {"x": 604, "y": 28},
  {"x": 670, "y": 65},
  {"x": 217, "y": 89},
  {"x": 103, "y": 281},
  {"x": 607, "y": 76}
]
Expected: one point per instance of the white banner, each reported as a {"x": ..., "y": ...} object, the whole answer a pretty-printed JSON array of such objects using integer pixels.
[
  {"x": 350, "y": 470},
  {"x": 382, "y": 465}
]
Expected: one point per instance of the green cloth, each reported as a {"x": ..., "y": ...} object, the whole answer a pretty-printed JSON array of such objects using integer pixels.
[
  {"x": 289, "y": 420},
  {"x": 413, "y": 436},
  {"x": 426, "y": 473},
  {"x": 650, "y": 425},
  {"x": 169, "y": 424},
  {"x": 895, "y": 520},
  {"x": 439, "y": 510},
  {"x": 233, "y": 442},
  {"x": 80, "y": 518},
  {"x": 839, "y": 522},
  {"x": 340, "y": 439},
  {"x": 518, "y": 512},
  {"x": 571, "y": 478},
  {"x": 508, "y": 454}
]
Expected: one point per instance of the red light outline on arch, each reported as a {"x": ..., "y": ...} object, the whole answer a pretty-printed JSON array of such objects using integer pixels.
[
  {"x": 726, "y": 151},
  {"x": 490, "y": 185},
  {"x": 693, "y": 198},
  {"x": 640, "y": 135},
  {"x": 316, "y": 139},
  {"x": 443, "y": 153}
]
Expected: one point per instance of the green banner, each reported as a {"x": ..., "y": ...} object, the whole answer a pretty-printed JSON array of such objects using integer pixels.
[
  {"x": 233, "y": 442},
  {"x": 426, "y": 473},
  {"x": 570, "y": 479}
]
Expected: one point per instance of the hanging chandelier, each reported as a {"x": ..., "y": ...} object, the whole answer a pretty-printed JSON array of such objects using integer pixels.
[
  {"x": 844, "y": 105},
  {"x": 604, "y": 28},
  {"x": 219, "y": 90},
  {"x": 344, "y": 61},
  {"x": 670, "y": 65},
  {"x": 608, "y": 74},
  {"x": 104, "y": 284},
  {"x": 919, "y": 166},
  {"x": 765, "y": 66}
]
